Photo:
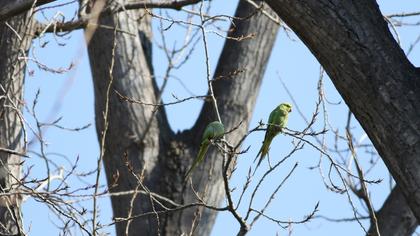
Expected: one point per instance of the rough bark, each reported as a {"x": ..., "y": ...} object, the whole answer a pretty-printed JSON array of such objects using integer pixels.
[
  {"x": 13, "y": 44},
  {"x": 164, "y": 155},
  {"x": 395, "y": 217},
  {"x": 127, "y": 122},
  {"x": 370, "y": 71}
]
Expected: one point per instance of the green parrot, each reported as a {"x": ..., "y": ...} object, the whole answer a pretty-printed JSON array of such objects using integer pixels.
[
  {"x": 276, "y": 122},
  {"x": 214, "y": 130}
]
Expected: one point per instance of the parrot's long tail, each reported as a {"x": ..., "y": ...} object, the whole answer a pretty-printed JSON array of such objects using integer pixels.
[
  {"x": 201, "y": 153},
  {"x": 263, "y": 151}
]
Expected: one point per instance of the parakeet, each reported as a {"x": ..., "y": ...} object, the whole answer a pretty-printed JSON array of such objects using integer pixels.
[
  {"x": 214, "y": 130},
  {"x": 276, "y": 122}
]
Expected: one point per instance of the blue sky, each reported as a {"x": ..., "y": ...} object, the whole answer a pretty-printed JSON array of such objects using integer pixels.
[{"x": 290, "y": 60}]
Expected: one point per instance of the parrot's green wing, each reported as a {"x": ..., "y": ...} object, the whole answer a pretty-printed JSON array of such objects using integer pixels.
[
  {"x": 276, "y": 122},
  {"x": 214, "y": 130}
]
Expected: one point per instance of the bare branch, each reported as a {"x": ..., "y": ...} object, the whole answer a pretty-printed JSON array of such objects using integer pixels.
[
  {"x": 83, "y": 21},
  {"x": 9, "y": 9}
]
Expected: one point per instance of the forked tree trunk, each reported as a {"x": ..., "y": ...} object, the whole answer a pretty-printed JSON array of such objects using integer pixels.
[{"x": 166, "y": 156}]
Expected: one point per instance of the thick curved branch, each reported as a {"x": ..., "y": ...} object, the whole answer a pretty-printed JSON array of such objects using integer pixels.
[
  {"x": 13, "y": 8},
  {"x": 353, "y": 43},
  {"x": 83, "y": 21},
  {"x": 8, "y": 9}
]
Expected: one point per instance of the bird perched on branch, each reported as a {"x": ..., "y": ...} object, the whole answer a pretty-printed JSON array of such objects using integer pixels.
[
  {"x": 213, "y": 131},
  {"x": 276, "y": 122}
]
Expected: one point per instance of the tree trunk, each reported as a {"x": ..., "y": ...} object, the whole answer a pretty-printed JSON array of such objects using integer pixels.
[
  {"x": 166, "y": 156},
  {"x": 15, "y": 41},
  {"x": 395, "y": 217},
  {"x": 382, "y": 88}
]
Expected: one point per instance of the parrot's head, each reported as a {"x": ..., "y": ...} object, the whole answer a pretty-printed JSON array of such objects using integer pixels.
[{"x": 286, "y": 107}]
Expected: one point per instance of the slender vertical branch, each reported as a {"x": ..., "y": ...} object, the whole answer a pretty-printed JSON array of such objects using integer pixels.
[{"x": 208, "y": 70}]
